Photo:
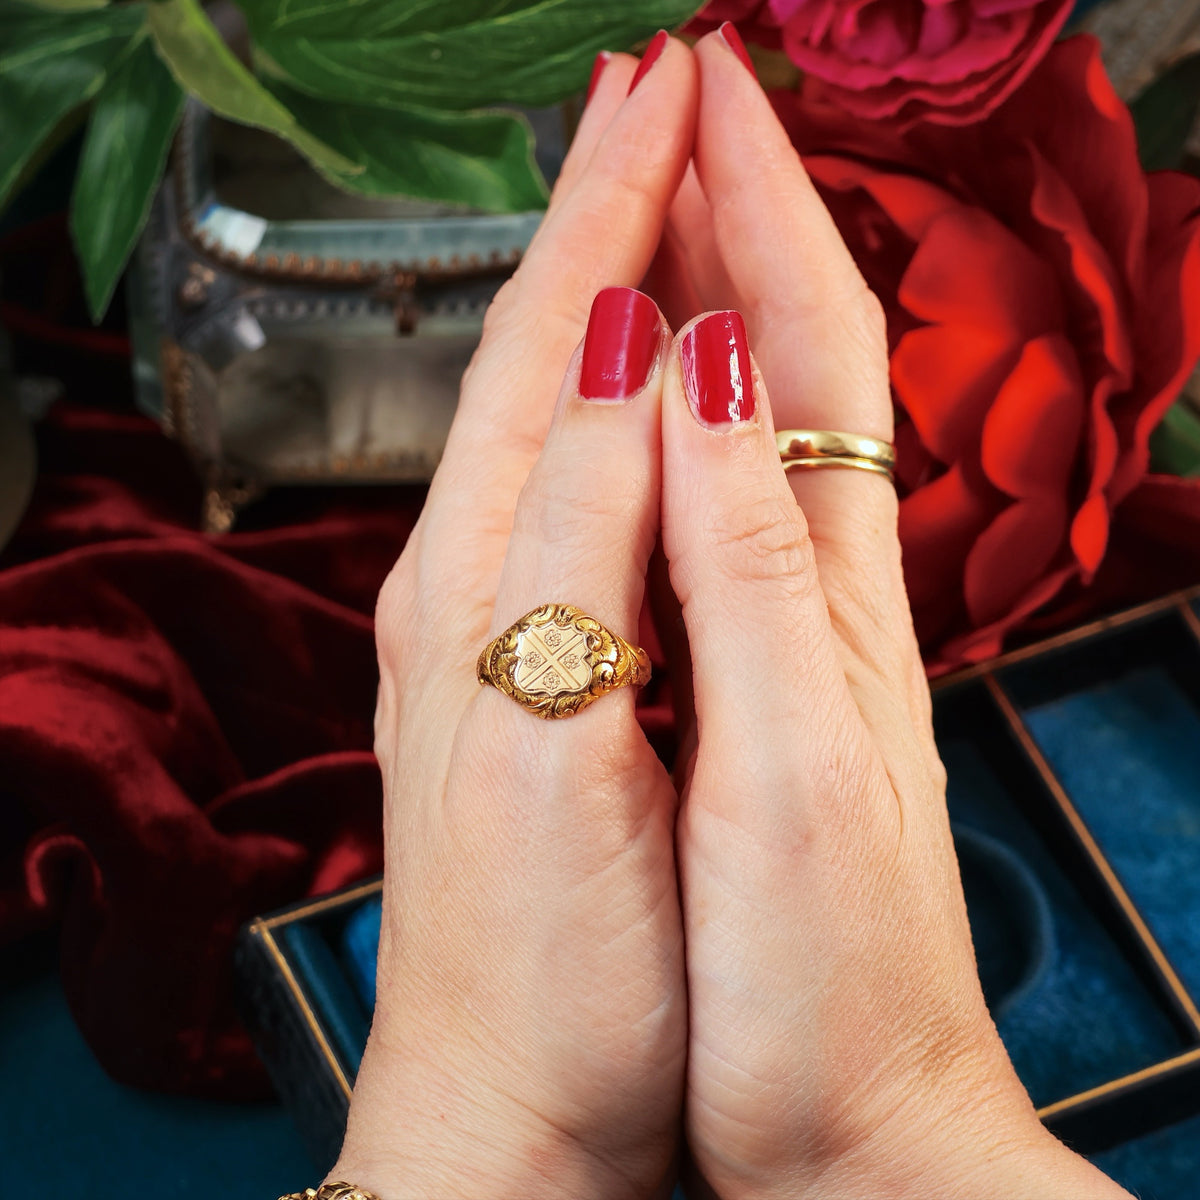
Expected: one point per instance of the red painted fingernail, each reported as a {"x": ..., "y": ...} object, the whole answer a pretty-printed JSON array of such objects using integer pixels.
[
  {"x": 716, "y": 369},
  {"x": 658, "y": 43},
  {"x": 598, "y": 66},
  {"x": 621, "y": 346},
  {"x": 733, "y": 40}
]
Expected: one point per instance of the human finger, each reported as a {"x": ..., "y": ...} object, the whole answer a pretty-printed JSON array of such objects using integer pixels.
[
  {"x": 604, "y": 233},
  {"x": 820, "y": 340},
  {"x": 607, "y": 88},
  {"x": 587, "y": 518},
  {"x": 771, "y": 698}
]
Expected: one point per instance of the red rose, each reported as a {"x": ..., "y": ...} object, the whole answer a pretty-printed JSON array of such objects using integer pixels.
[{"x": 1043, "y": 301}]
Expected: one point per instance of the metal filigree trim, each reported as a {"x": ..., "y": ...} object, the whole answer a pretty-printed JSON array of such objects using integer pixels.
[{"x": 556, "y": 660}]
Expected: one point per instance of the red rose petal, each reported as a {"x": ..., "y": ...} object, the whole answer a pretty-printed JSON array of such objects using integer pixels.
[
  {"x": 970, "y": 270},
  {"x": 1089, "y": 533},
  {"x": 1102, "y": 446},
  {"x": 1163, "y": 516},
  {"x": 910, "y": 202},
  {"x": 947, "y": 382},
  {"x": 942, "y": 26},
  {"x": 938, "y": 525},
  {"x": 1081, "y": 257},
  {"x": 1091, "y": 142},
  {"x": 998, "y": 8},
  {"x": 873, "y": 33},
  {"x": 947, "y": 374},
  {"x": 978, "y": 645},
  {"x": 987, "y": 46},
  {"x": 1031, "y": 433},
  {"x": 1012, "y": 554},
  {"x": 1168, "y": 337}
]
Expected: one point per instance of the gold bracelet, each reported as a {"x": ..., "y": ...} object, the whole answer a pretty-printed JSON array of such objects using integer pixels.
[{"x": 332, "y": 1191}]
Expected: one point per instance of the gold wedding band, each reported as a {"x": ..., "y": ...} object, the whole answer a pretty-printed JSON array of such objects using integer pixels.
[
  {"x": 557, "y": 660},
  {"x": 804, "y": 448}
]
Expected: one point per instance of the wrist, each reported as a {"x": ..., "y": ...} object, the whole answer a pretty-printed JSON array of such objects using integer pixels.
[
  {"x": 966, "y": 1131},
  {"x": 1008, "y": 1154},
  {"x": 417, "y": 1134},
  {"x": 497, "y": 1159},
  {"x": 1034, "y": 1163}
]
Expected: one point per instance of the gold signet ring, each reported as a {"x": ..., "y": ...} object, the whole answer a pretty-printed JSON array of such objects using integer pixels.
[
  {"x": 805, "y": 448},
  {"x": 557, "y": 660}
]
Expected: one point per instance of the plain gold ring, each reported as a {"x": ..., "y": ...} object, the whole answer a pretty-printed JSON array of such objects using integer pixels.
[
  {"x": 804, "y": 448},
  {"x": 556, "y": 660}
]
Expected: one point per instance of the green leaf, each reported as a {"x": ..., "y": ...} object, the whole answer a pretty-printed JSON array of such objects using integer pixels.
[
  {"x": 447, "y": 53},
  {"x": 50, "y": 64},
  {"x": 481, "y": 159},
  {"x": 120, "y": 165},
  {"x": 208, "y": 69},
  {"x": 1164, "y": 113},
  {"x": 66, "y": 5},
  {"x": 1175, "y": 444}
]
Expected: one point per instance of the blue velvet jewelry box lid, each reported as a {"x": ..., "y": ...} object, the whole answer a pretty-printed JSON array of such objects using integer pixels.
[{"x": 1074, "y": 796}]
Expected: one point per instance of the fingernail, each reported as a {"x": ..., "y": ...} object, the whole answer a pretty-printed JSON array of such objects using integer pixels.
[
  {"x": 716, "y": 370},
  {"x": 621, "y": 345},
  {"x": 658, "y": 43},
  {"x": 733, "y": 40},
  {"x": 598, "y": 66}
]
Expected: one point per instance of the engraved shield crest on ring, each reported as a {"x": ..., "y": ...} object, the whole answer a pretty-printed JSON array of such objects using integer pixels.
[{"x": 553, "y": 660}]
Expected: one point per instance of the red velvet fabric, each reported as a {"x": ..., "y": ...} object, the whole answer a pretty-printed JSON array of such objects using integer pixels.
[{"x": 185, "y": 732}]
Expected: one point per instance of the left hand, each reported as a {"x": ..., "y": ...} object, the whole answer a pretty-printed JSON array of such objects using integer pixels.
[{"x": 530, "y": 1030}]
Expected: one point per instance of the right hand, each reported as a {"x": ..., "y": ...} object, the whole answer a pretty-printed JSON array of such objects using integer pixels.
[{"x": 839, "y": 1041}]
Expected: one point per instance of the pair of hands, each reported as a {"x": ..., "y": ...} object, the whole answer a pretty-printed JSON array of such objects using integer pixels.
[{"x": 586, "y": 965}]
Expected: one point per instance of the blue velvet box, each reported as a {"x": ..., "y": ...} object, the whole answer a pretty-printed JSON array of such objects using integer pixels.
[{"x": 1074, "y": 794}]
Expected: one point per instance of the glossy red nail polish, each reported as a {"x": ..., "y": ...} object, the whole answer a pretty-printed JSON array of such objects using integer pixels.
[
  {"x": 658, "y": 43},
  {"x": 717, "y": 378},
  {"x": 602, "y": 60},
  {"x": 733, "y": 40},
  {"x": 621, "y": 345}
]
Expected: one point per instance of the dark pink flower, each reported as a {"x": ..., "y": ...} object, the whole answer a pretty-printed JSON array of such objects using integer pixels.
[{"x": 949, "y": 61}]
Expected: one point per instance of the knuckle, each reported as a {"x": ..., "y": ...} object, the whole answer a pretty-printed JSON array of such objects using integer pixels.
[
  {"x": 938, "y": 778},
  {"x": 868, "y": 313},
  {"x": 864, "y": 323},
  {"x": 395, "y": 611},
  {"x": 864, "y": 615},
  {"x": 567, "y": 524},
  {"x": 625, "y": 192},
  {"x": 765, "y": 539},
  {"x": 554, "y": 508},
  {"x": 502, "y": 305}
]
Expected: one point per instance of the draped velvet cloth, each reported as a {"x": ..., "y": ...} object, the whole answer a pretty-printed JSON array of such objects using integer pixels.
[
  {"x": 185, "y": 723},
  {"x": 185, "y": 732}
]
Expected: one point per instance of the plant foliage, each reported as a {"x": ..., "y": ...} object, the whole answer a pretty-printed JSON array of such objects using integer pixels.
[{"x": 383, "y": 97}]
